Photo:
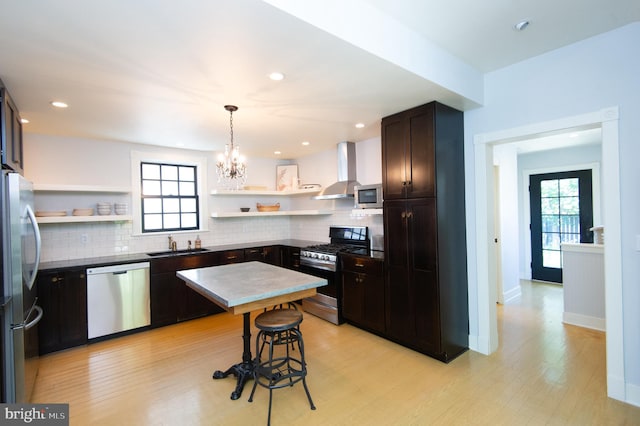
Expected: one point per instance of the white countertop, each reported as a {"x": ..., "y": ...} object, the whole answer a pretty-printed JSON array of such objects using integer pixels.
[
  {"x": 583, "y": 247},
  {"x": 241, "y": 284}
]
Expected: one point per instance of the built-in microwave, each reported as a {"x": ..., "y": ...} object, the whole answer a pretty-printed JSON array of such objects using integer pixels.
[{"x": 368, "y": 196}]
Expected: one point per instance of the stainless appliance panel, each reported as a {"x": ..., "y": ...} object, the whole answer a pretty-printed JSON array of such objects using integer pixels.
[
  {"x": 117, "y": 299},
  {"x": 368, "y": 196},
  {"x": 325, "y": 303},
  {"x": 21, "y": 246}
]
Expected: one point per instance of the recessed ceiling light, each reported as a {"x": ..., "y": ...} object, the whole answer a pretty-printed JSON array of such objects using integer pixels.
[
  {"x": 276, "y": 76},
  {"x": 24, "y": 121},
  {"x": 305, "y": 143},
  {"x": 59, "y": 104},
  {"x": 522, "y": 25},
  {"x": 359, "y": 125},
  {"x": 277, "y": 152}
]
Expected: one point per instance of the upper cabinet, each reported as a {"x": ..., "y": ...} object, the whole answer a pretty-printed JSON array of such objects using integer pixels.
[
  {"x": 10, "y": 133},
  {"x": 408, "y": 169}
]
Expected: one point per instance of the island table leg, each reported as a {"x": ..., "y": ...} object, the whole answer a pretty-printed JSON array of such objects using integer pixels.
[{"x": 243, "y": 371}]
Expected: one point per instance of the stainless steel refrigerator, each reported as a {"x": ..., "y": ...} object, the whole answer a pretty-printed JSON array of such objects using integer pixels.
[{"x": 21, "y": 246}]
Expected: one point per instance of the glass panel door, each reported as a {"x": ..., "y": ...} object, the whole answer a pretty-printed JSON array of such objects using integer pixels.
[{"x": 561, "y": 212}]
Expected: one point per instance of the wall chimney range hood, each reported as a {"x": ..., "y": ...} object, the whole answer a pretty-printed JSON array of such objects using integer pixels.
[{"x": 346, "y": 174}]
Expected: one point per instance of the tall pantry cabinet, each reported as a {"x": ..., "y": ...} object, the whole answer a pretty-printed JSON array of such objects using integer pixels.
[{"x": 424, "y": 227}]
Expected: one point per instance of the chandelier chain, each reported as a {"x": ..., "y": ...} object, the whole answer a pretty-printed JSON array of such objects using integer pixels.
[{"x": 231, "y": 126}]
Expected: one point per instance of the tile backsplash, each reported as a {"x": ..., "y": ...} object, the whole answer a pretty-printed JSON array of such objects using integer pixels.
[{"x": 95, "y": 239}]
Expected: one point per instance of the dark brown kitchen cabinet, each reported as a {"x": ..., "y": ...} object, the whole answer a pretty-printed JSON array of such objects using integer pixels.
[
  {"x": 425, "y": 237},
  {"x": 408, "y": 167},
  {"x": 363, "y": 301},
  {"x": 268, "y": 254},
  {"x": 63, "y": 298},
  {"x": 290, "y": 257},
  {"x": 10, "y": 132},
  {"x": 171, "y": 299},
  {"x": 231, "y": 256},
  {"x": 411, "y": 256}
]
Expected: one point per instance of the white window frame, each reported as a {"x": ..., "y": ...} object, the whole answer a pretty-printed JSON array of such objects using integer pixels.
[{"x": 180, "y": 160}]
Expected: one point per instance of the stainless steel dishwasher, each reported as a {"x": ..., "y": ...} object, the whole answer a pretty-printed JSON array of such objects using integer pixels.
[{"x": 117, "y": 298}]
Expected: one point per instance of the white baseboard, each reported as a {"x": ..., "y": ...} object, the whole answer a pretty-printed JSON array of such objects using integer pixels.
[
  {"x": 616, "y": 388},
  {"x": 584, "y": 321},
  {"x": 633, "y": 395},
  {"x": 479, "y": 344},
  {"x": 509, "y": 295}
]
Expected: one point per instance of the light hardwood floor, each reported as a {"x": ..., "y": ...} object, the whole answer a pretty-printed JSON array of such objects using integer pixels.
[{"x": 544, "y": 373}]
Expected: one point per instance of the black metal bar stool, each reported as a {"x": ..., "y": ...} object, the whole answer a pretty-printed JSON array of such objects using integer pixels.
[{"x": 278, "y": 330}]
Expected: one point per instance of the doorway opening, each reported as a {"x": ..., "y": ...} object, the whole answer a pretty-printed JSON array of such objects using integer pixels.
[{"x": 484, "y": 319}]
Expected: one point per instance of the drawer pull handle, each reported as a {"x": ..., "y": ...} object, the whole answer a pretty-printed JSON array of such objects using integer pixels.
[{"x": 359, "y": 265}]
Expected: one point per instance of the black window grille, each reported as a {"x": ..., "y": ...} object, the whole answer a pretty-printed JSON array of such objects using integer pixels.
[{"x": 169, "y": 197}]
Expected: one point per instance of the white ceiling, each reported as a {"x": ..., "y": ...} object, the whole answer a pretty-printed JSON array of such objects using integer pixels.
[{"x": 160, "y": 71}]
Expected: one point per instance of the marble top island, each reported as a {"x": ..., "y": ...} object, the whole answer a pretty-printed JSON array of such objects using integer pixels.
[{"x": 244, "y": 287}]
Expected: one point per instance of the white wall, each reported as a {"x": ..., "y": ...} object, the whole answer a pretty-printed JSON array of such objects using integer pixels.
[
  {"x": 588, "y": 76},
  {"x": 505, "y": 157}
]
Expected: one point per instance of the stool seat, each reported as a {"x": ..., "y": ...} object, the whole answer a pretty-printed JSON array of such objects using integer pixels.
[{"x": 278, "y": 320}]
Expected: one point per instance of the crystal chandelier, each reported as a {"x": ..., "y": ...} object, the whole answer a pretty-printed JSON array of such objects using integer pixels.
[{"x": 232, "y": 172}]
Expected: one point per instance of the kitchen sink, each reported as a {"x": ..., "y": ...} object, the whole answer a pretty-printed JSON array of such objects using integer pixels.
[{"x": 177, "y": 252}]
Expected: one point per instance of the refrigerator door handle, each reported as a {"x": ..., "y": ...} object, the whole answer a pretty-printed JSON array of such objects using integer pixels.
[
  {"x": 36, "y": 320},
  {"x": 27, "y": 324},
  {"x": 36, "y": 233}
]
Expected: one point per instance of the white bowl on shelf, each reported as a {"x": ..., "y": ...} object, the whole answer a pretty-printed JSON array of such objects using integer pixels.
[
  {"x": 120, "y": 208},
  {"x": 104, "y": 209}
]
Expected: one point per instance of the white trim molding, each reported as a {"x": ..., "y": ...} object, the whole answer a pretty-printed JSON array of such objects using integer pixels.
[{"x": 487, "y": 339}]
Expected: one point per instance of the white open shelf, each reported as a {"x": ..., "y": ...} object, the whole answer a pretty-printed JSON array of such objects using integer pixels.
[
  {"x": 265, "y": 192},
  {"x": 276, "y": 213},
  {"x": 366, "y": 212},
  {"x": 78, "y": 219},
  {"x": 80, "y": 188}
]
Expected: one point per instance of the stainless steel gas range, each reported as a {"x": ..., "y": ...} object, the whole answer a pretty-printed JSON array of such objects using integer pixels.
[{"x": 322, "y": 260}]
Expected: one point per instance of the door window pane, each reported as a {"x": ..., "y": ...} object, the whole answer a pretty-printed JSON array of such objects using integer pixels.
[
  {"x": 551, "y": 259},
  {"x": 569, "y": 187},
  {"x": 560, "y": 208},
  {"x": 549, "y": 188},
  {"x": 550, "y": 206}
]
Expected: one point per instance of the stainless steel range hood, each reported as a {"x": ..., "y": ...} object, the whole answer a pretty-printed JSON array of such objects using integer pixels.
[{"x": 346, "y": 174}]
